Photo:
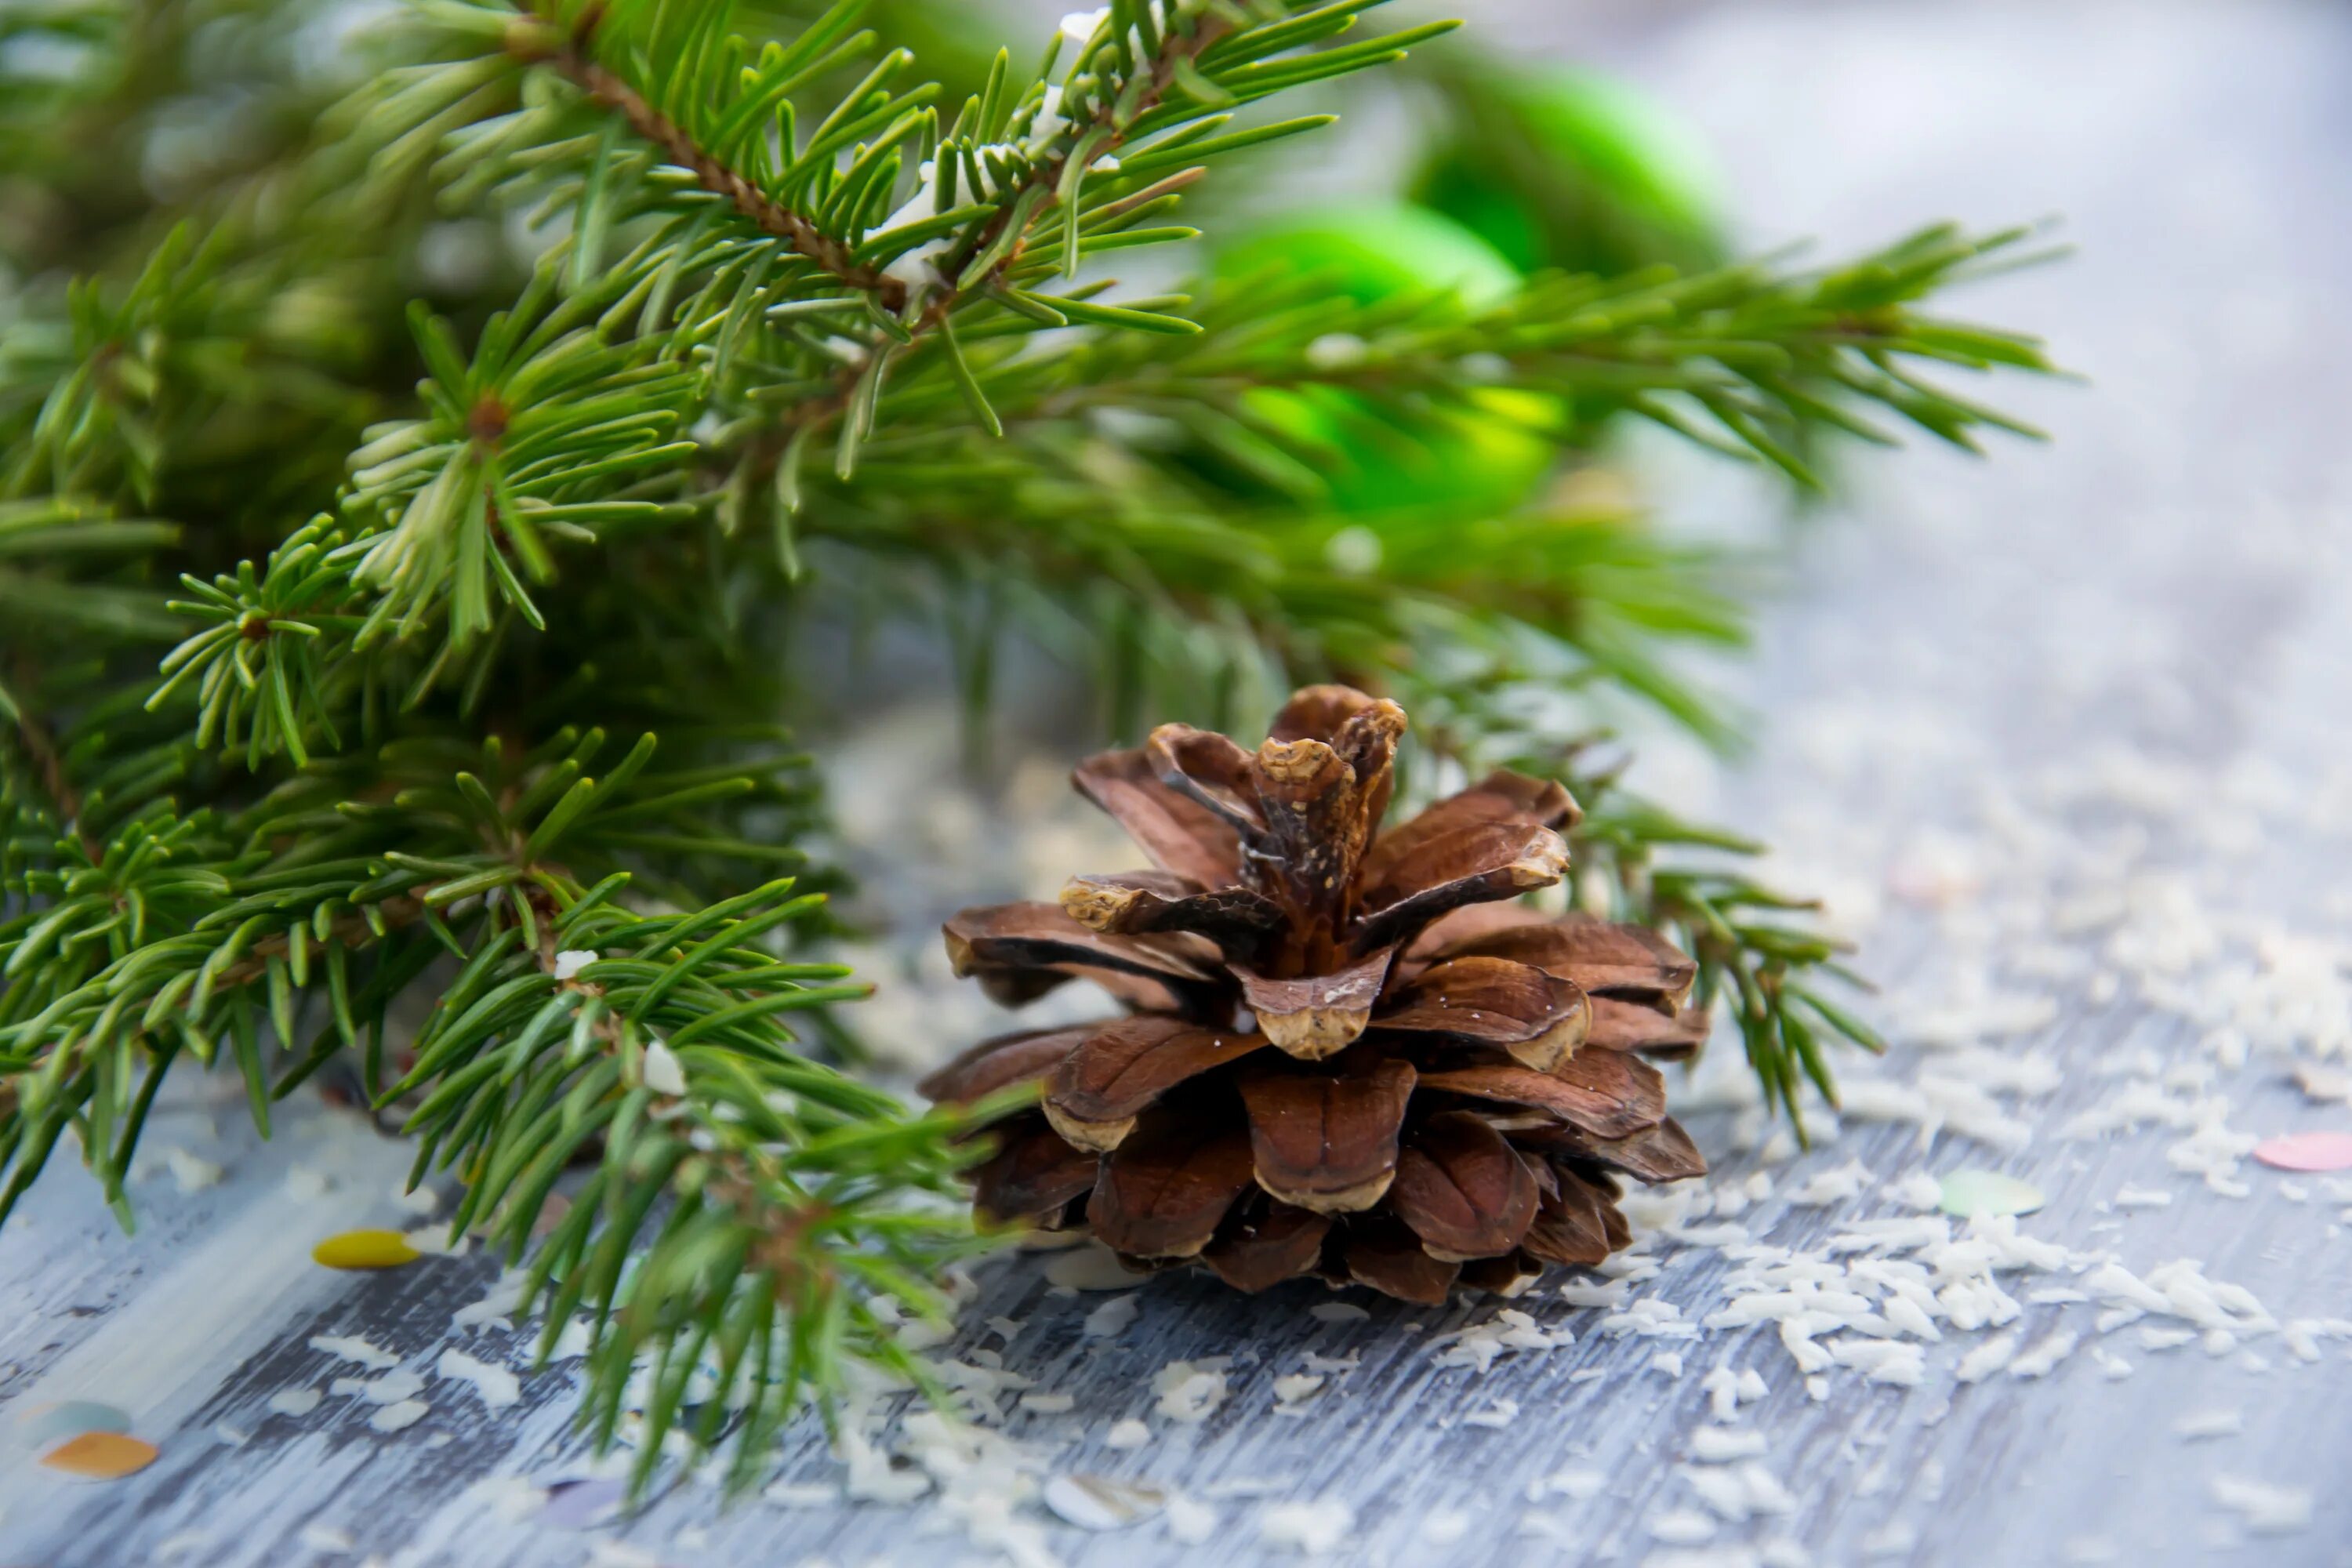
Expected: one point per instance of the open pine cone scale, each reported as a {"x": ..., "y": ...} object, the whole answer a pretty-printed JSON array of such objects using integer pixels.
[{"x": 1345, "y": 1053}]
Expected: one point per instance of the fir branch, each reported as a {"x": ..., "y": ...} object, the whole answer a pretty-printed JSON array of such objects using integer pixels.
[{"x": 568, "y": 51}]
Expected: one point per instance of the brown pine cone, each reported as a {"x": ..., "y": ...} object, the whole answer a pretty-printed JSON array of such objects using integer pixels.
[{"x": 1344, "y": 1056}]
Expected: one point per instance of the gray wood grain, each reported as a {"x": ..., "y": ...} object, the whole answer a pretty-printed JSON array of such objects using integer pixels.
[{"x": 2153, "y": 615}]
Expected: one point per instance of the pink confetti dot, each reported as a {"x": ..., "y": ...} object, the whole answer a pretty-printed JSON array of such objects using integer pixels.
[{"x": 2307, "y": 1151}]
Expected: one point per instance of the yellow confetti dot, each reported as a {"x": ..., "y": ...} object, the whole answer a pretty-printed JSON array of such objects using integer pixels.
[
  {"x": 100, "y": 1455},
  {"x": 365, "y": 1249}
]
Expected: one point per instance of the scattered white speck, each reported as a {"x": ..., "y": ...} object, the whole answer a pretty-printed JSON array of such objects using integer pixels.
[
  {"x": 1721, "y": 1445},
  {"x": 1096, "y": 1502},
  {"x": 307, "y": 1184},
  {"x": 1189, "y": 1521},
  {"x": 2266, "y": 1510},
  {"x": 393, "y": 1388},
  {"x": 663, "y": 1072},
  {"x": 1680, "y": 1526},
  {"x": 1337, "y": 1312},
  {"x": 296, "y": 1401},
  {"x": 1498, "y": 1415},
  {"x": 1047, "y": 1403},
  {"x": 1443, "y": 1527},
  {"x": 2046, "y": 1353},
  {"x": 496, "y": 1385},
  {"x": 1313, "y": 1527},
  {"x": 2131, "y": 1197},
  {"x": 2210, "y": 1424},
  {"x": 1111, "y": 1318},
  {"x": 375, "y": 1358},
  {"x": 1091, "y": 1267},
  {"x": 1128, "y": 1434},
  {"x": 1189, "y": 1391},
  {"x": 400, "y": 1416},
  {"x": 327, "y": 1538},
  {"x": 1292, "y": 1387},
  {"x": 192, "y": 1175},
  {"x": 1893, "y": 1539},
  {"x": 235, "y": 1437},
  {"x": 571, "y": 961},
  {"x": 1080, "y": 26}
]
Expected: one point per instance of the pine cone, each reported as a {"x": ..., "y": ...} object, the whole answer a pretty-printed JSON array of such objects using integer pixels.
[{"x": 1344, "y": 1056}]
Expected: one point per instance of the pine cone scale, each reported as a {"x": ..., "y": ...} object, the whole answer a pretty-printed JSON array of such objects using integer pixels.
[
  {"x": 1313, "y": 1016},
  {"x": 1342, "y": 1057},
  {"x": 1267, "y": 1242},
  {"x": 1164, "y": 1192},
  {"x": 1328, "y": 1141},
  {"x": 1102, "y": 1085},
  {"x": 1463, "y": 1189}
]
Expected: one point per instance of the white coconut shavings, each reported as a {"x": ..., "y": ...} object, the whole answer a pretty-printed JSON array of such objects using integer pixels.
[
  {"x": 1722, "y": 1445},
  {"x": 2204, "y": 1423},
  {"x": 1112, "y": 1319},
  {"x": 498, "y": 1306},
  {"x": 1314, "y": 1527},
  {"x": 498, "y": 1387},
  {"x": 307, "y": 1185},
  {"x": 2266, "y": 1509},
  {"x": 1294, "y": 1387},
  {"x": 1680, "y": 1526},
  {"x": 1078, "y": 26},
  {"x": 663, "y": 1072},
  {"x": 1128, "y": 1434},
  {"x": 1499, "y": 1414},
  {"x": 375, "y": 1358},
  {"x": 391, "y": 1388},
  {"x": 2045, "y": 1354},
  {"x": 1189, "y": 1391},
  {"x": 191, "y": 1172},
  {"x": 571, "y": 961},
  {"x": 296, "y": 1401},
  {"x": 399, "y": 1415}
]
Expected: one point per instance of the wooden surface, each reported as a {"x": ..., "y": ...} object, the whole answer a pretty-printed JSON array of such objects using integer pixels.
[{"x": 2068, "y": 737}]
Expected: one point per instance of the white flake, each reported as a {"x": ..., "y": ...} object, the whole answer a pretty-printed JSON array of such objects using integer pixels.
[
  {"x": 375, "y": 1358},
  {"x": 1111, "y": 1318},
  {"x": 2203, "y": 1423},
  {"x": 399, "y": 1415},
  {"x": 1189, "y": 1391},
  {"x": 663, "y": 1072},
  {"x": 496, "y": 1385},
  {"x": 1191, "y": 1522},
  {"x": 2267, "y": 1509},
  {"x": 571, "y": 961},
  {"x": 295, "y": 1401},
  {"x": 1722, "y": 1445},
  {"x": 1314, "y": 1527}
]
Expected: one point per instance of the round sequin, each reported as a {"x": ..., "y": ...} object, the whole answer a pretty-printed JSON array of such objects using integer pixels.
[
  {"x": 100, "y": 1455},
  {"x": 365, "y": 1249},
  {"x": 2307, "y": 1151},
  {"x": 1969, "y": 1194}
]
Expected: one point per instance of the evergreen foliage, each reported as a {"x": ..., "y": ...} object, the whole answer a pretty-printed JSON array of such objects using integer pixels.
[{"x": 376, "y": 481}]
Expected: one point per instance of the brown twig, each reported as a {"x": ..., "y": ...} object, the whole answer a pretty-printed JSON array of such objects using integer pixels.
[
  {"x": 817, "y": 411},
  {"x": 571, "y": 59},
  {"x": 49, "y": 771}
]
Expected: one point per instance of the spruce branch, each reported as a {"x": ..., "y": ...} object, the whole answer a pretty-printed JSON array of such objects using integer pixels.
[{"x": 568, "y": 50}]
